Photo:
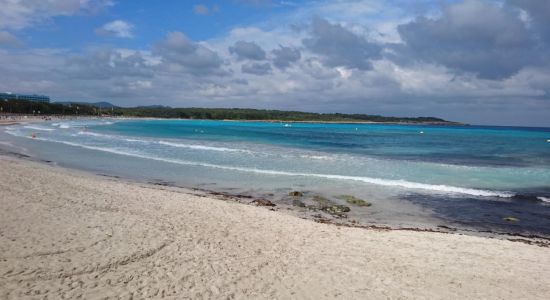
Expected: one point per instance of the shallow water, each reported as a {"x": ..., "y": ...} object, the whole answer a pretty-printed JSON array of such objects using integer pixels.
[{"x": 392, "y": 166}]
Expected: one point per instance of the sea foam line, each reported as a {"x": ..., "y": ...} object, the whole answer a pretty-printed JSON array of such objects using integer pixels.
[
  {"x": 166, "y": 143},
  {"x": 38, "y": 128},
  {"x": 202, "y": 147},
  {"x": 370, "y": 180}
]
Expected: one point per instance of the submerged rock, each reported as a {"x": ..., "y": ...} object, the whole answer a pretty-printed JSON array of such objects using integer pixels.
[
  {"x": 321, "y": 200},
  {"x": 328, "y": 206},
  {"x": 526, "y": 197},
  {"x": 296, "y": 194},
  {"x": 336, "y": 210},
  {"x": 355, "y": 201},
  {"x": 298, "y": 203},
  {"x": 263, "y": 202}
]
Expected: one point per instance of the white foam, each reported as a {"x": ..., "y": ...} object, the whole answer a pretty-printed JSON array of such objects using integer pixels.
[
  {"x": 136, "y": 141},
  {"x": 202, "y": 147},
  {"x": 544, "y": 199},
  {"x": 318, "y": 157},
  {"x": 40, "y": 128},
  {"x": 377, "y": 181},
  {"x": 93, "y": 134}
]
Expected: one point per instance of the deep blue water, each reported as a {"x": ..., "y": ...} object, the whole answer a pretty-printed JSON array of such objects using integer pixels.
[
  {"x": 469, "y": 168},
  {"x": 468, "y": 145}
]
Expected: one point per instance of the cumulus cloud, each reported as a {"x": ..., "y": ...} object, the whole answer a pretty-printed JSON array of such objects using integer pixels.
[
  {"x": 474, "y": 36},
  {"x": 256, "y": 68},
  {"x": 247, "y": 50},
  {"x": 179, "y": 53},
  {"x": 285, "y": 56},
  {"x": 117, "y": 28},
  {"x": 20, "y": 14},
  {"x": 107, "y": 63},
  {"x": 459, "y": 61},
  {"x": 340, "y": 47},
  {"x": 539, "y": 16}
]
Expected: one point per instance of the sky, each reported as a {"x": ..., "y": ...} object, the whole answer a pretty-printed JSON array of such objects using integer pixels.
[{"x": 472, "y": 61}]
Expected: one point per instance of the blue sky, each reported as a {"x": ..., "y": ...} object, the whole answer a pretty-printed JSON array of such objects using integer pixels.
[{"x": 476, "y": 61}]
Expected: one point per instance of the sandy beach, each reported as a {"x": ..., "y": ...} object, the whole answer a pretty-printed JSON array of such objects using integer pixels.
[{"x": 65, "y": 234}]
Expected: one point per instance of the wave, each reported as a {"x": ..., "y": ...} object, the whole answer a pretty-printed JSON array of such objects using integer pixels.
[
  {"x": 40, "y": 128},
  {"x": 165, "y": 143},
  {"x": 544, "y": 199},
  {"x": 93, "y": 134},
  {"x": 370, "y": 180},
  {"x": 202, "y": 147}
]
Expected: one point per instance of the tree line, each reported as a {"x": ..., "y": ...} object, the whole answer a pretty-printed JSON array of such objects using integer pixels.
[{"x": 28, "y": 107}]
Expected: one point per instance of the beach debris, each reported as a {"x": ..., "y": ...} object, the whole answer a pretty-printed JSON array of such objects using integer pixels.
[
  {"x": 298, "y": 203},
  {"x": 263, "y": 202},
  {"x": 511, "y": 219},
  {"x": 296, "y": 194},
  {"x": 355, "y": 201}
]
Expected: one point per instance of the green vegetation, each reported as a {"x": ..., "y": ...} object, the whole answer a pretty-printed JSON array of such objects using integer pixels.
[
  {"x": 27, "y": 107},
  {"x": 355, "y": 201},
  {"x": 260, "y": 114},
  {"x": 30, "y": 107}
]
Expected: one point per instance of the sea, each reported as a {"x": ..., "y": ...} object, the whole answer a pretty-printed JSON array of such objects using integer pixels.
[{"x": 478, "y": 178}]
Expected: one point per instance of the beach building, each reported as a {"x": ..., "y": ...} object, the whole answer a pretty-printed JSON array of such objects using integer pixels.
[{"x": 33, "y": 97}]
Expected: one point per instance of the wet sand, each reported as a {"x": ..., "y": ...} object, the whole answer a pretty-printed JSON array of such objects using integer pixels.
[{"x": 66, "y": 234}]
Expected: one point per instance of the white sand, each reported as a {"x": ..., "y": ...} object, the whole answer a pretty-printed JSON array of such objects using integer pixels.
[{"x": 67, "y": 235}]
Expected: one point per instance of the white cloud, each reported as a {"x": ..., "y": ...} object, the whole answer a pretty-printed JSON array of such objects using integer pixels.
[
  {"x": 18, "y": 14},
  {"x": 287, "y": 73},
  {"x": 117, "y": 28}
]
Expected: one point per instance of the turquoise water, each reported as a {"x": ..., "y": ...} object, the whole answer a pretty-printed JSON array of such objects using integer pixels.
[{"x": 383, "y": 162}]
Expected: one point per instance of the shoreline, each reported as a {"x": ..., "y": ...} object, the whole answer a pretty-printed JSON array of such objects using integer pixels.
[
  {"x": 325, "y": 208},
  {"x": 309, "y": 215},
  {"x": 315, "y": 214},
  {"x": 66, "y": 233}
]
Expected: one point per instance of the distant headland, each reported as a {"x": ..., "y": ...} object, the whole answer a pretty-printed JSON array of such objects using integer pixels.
[{"x": 106, "y": 109}]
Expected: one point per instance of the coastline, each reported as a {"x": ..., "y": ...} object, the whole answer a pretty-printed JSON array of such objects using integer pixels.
[
  {"x": 68, "y": 233},
  {"x": 31, "y": 118}
]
